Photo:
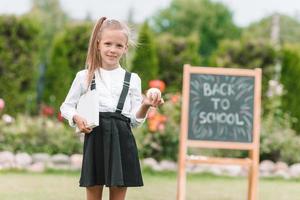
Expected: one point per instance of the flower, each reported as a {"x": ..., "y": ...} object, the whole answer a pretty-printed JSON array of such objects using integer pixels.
[
  {"x": 156, "y": 121},
  {"x": 59, "y": 117},
  {"x": 161, "y": 127},
  {"x": 152, "y": 125},
  {"x": 2, "y": 104},
  {"x": 275, "y": 89},
  {"x": 8, "y": 119},
  {"x": 152, "y": 112},
  {"x": 47, "y": 111},
  {"x": 175, "y": 98},
  {"x": 157, "y": 84}
]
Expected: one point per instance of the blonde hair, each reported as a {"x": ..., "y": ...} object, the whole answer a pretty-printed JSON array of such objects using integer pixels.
[{"x": 93, "y": 59}]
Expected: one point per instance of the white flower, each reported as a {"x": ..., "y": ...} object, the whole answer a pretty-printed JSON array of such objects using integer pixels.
[
  {"x": 275, "y": 88},
  {"x": 8, "y": 119}
]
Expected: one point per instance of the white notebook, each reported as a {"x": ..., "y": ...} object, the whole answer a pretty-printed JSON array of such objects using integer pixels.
[{"x": 88, "y": 108}]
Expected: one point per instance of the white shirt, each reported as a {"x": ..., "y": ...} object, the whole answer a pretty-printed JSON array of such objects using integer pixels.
[{"x": 109, "y": 84}]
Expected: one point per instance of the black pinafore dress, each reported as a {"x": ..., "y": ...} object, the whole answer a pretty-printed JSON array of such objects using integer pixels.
[{"x": 110, "y": 154}]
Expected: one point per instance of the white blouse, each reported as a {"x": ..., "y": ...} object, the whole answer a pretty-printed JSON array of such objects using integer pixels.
[{"x": 109, "y": 84}]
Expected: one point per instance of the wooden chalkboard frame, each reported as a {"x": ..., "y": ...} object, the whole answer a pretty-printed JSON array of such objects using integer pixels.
[{"x": 253, "y": 147}]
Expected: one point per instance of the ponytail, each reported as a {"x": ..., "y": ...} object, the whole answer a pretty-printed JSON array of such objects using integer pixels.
[{"x": 93, "y": 59}]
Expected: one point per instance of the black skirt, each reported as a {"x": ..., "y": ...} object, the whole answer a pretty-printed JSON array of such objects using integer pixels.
[{"x": 110, "y": 154}]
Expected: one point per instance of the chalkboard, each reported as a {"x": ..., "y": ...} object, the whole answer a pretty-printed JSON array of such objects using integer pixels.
[{"x": 221, "y": 108}]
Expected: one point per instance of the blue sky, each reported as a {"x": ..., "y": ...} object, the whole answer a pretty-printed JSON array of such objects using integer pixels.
[{"x": 245, "y": 11}]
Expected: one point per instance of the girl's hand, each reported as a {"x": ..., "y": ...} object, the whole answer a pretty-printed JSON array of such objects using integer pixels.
[
  {"x": 81, "y": 124},
  {"x": 154, "y": 100}
]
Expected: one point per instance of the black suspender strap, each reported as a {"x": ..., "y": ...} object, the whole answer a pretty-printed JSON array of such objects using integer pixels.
[
  {"x": 124, "y": 92},
  {"x": 93, "y": 84}
]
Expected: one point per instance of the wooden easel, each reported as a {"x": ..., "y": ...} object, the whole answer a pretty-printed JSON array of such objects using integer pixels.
[{"x": 252, "y": 161}]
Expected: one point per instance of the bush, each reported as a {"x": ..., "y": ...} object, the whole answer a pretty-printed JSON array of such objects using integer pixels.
[
  {"x": 38, "y": 134},
  {"x": 290, "y": 80},
  {"x": 158, "y": 137},
  {"x": 68, "y": 56},
  {"x": 278, "y": 141},
  {"x": 173, "y": 53},
  {"x": 145, "y": 61},
  {"x": 19, "y": 44}
]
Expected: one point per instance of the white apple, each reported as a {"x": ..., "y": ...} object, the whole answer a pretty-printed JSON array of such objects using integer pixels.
[{"x": 152, "y": 91}]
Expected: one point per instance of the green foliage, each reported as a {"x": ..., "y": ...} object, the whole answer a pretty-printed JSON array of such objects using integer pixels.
[
  {"x": 290, "y": 80},
  {"x": 145, "y": 61},
  {"x": 173, "y": 53},
  {"x": 248, "y": 54},
  {"x": 211, "y": 20},
  {"x": 38, "y": 134},
  {"x": 19, "y": 45},
  {"x": 161, "y": 143},
  {"x": 289, "y": 29},
  {"x": 278, "y": 141},
  {"x": 52, "y": 18},
  {"x": 67, "y": 58}
]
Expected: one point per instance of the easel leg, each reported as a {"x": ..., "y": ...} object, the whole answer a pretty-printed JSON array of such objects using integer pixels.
[
  {"x": 253, "y": 175},
  {"x": 181, "y": 182},
  {"x": 181, "y": 186}
]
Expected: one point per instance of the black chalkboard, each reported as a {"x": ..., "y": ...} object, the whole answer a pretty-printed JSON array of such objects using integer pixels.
[{"x": 221, "y": 108}]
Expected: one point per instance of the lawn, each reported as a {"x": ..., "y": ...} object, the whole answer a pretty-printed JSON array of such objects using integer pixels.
[{"x": 158, "y": 186}]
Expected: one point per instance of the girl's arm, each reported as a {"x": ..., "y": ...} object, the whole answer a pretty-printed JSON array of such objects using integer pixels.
[
  {"x": 140, "y": 103},
  {"x": 68, "y": 107},
  {"x": 142, "y": 112}
]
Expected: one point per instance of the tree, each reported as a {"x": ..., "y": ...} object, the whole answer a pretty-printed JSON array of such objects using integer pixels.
[
  {"x": 52, "y": 18},
  {"x": 145, "y": 62},
  {"x": 290, "y": 80},
  {"x": 173, "y": 53},
  {"x": 289, "y": 29},
  {"x": 68, "y": 54},
  {"x": 19, "y": 46},
  {"x": 212, "y": 21}
]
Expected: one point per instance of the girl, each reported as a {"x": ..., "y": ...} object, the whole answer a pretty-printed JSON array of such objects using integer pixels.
[{"x": 110, "y": 155}]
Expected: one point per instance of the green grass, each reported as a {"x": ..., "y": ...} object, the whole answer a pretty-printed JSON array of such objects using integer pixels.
[{"x": 62, "y": 185}]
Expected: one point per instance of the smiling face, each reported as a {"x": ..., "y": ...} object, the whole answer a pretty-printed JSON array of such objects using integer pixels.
[{"x": 113, "y": 45}]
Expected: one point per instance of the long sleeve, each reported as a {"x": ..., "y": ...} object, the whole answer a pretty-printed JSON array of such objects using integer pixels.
[
  {"x": 68, "y": 107},
  {"x": 136, "y": 100}
]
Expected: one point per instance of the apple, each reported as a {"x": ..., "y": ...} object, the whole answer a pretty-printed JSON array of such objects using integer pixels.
[{"x": 152, "y": 91}]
